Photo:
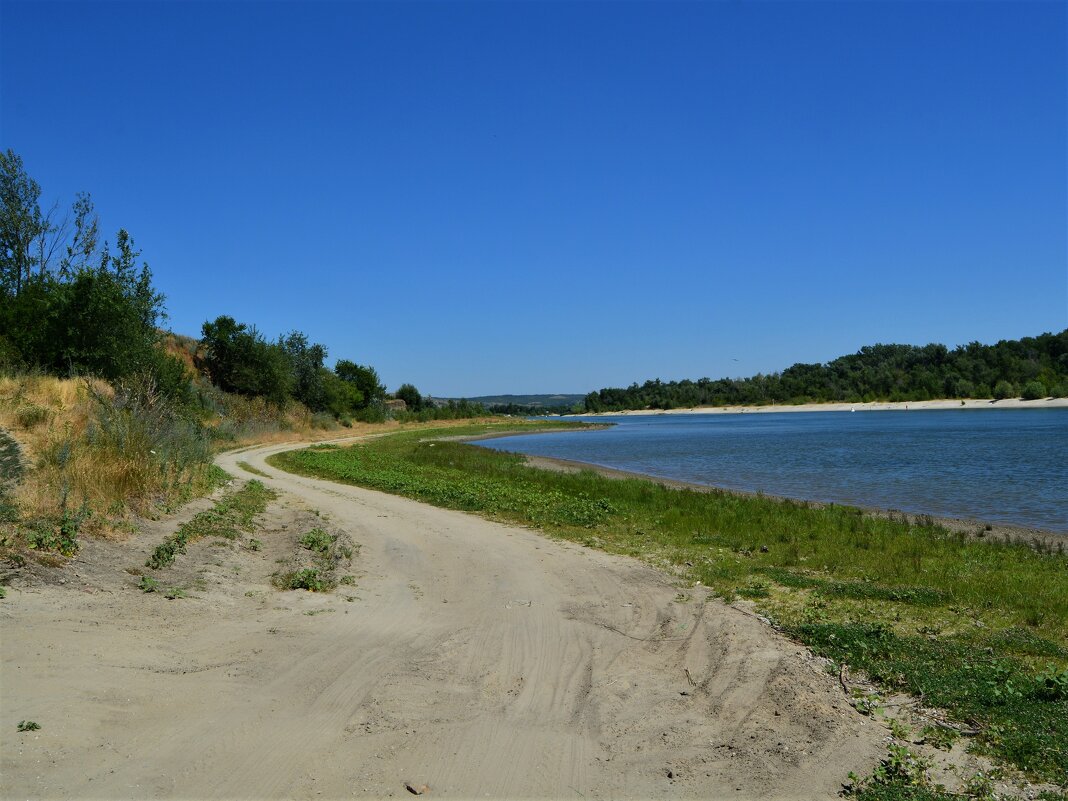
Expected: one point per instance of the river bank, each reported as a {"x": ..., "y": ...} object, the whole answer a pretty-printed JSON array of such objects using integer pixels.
[
  {"x": 979, "y": 529},
  {"x": 875, "y": 406},
  {"x": 948, "y": 619}
]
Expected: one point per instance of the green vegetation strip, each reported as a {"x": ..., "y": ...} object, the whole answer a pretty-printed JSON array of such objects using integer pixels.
[
  {"x": 250, "y": 469},
  {"x": 977, "y": 628},
  {"x": 233, "y": 514}
]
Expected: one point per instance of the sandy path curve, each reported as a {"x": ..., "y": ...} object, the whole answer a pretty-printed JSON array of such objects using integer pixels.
[{"x": 481, "y": 659}]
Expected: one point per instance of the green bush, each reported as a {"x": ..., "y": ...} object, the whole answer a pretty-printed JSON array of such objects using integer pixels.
[
  {"x": 1004, "y": 390},
  {"x": 1034, "y": 390},
  {"x": 59, "y": 536},
  {"x": 306, "y": 579},
  {"x": 317, "y": 540}
]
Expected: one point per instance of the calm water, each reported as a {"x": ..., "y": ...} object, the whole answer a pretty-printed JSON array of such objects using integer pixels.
[{"x": 1008, "y": 466}]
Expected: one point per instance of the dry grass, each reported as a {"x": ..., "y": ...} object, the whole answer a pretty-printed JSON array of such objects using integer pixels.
[
  {"x": 183, "y": 347},
  {"x": 112, "y": 453},
  {"x": 88, "y": 447}
]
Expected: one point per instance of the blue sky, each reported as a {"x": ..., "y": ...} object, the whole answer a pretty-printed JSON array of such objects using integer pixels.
[{"x": 542, "y": 197}]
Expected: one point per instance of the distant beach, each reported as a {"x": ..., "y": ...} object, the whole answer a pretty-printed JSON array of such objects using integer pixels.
[{"x": 875, "y": 406}]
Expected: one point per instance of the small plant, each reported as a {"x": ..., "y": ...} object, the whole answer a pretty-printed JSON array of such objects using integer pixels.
[
  {"x": 349, "y": 580},
  {"x": 3, "y": 592},
  {"x": 306, "y": 579},
  {"x": 254, "y": 545},
  {"x": 899, "y": 730},
  {"x": 1052, "y": 684},
  {"x": 317, "y": 540},
  {"x": 868, "y": 704},
  {"x": 29, "y": 725},
  {"x": 174, "y": 593},
  {"x": 900, "y": 775},
  {"x": 148, "y": 584},
  {"x": 980, "y": 787},
  {"x": 941, "y": 737},
  {"x": 758, "y": 589},
  {"x": 62, "y": 536}
]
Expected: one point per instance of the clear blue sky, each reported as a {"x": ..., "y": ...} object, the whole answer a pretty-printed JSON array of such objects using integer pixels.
[{"x": 541, "y": 197}]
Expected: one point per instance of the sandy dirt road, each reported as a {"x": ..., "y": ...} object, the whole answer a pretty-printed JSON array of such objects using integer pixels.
[{"x": 482, "y": 660}]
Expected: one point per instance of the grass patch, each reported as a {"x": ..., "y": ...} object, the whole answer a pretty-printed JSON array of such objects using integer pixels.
[
  {"x": 148, "y": 584},
  {"x": 971, "y": 625},
  {"x": 1021, "y": 717},
  {"x": 250, "y": 469},
  {"x": 318, "y": 540},
  {"x": 305, "y": 579},
  {"x": 233, "y": 514}
]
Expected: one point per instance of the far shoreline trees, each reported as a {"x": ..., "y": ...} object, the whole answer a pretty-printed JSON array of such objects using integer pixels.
[{"x": 1032, "y": 367}]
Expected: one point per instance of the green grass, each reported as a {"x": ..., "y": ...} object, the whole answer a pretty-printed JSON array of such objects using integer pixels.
[
  {"x": 233, "y": 514},
  {"x": 250, "y": 469},
  {"x": 317, "y": 540},
  {"x": 971, "y": 625},
  {"x": 305, "y": 579}
]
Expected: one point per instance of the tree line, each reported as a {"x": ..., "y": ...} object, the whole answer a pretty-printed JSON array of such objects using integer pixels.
[
  {"x": 1032, "y": 368},
  {"x": 73, "y": 305}
]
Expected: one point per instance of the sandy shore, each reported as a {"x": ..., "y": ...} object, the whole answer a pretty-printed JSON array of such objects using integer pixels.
[{"x": 881, "y": 406}]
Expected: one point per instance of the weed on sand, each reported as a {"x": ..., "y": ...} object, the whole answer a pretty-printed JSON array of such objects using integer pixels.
[
  {"x": 251, "y": 469},
  {"x": 979, "y": 629},
  {"x": 233, "y": 514}
]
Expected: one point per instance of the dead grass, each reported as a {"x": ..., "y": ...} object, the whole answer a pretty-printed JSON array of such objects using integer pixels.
[{"x": 90, "y": 447}]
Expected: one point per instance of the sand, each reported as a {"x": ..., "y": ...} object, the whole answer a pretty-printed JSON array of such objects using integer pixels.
[{"x": 478, "y": 659}]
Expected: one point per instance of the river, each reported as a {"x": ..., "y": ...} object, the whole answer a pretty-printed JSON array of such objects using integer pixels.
[{"x": 1002, "y": 466}]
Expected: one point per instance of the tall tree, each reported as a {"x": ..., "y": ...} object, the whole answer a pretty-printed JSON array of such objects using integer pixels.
[
  {"x": 411, "y": 396},
  {"x": 364, "y": 378},
  {"x": 306, "y": 362},
  {"x": 21, "y": 223},
  {"x": 240, "y": 360}
]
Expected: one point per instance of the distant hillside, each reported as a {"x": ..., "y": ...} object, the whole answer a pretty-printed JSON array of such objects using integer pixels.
[
  {"x": 1032, "y": 367},
  {"x": 539, "y": 401}
]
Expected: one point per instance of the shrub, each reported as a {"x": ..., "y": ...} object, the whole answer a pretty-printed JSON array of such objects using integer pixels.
[
  {"x": 61, "y": 536},
  {"x": 965, "y": 389},
  {"x": 148, "y": 584},
  {"x": 322, "y": 421},
  {"x": 1052, "y": 684},
  {"x": 317, "y": 540},
  {"x": 1003, "y": 390},
  {"x": 306, "y": 579},
  {"x": 1034, "y": 390}
]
